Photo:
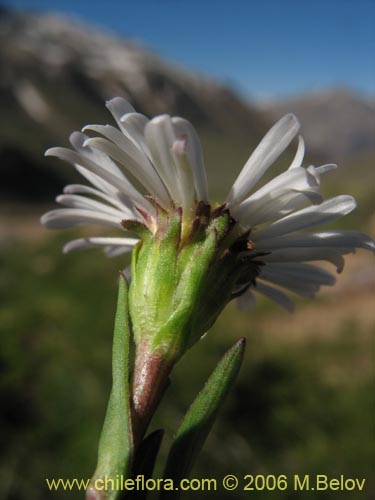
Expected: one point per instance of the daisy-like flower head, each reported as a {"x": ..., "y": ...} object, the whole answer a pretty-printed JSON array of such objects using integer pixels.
[{"x": 148, "y": 181}]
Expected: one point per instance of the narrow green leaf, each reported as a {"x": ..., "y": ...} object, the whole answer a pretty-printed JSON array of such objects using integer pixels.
[
  {"x": 116, "y": 443},
  {"x": 200, "y": 417}
]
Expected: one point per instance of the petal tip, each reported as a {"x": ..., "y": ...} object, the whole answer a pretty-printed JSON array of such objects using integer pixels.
[
  {"x": 157, "y": 120},
  {"x": 293, "y": 121},
  {"x": 119, "y": 106},
  {"x": 114, "y": 101},
  {"x": 44, "y": 219},
  {"x": 49, "y": 152}
]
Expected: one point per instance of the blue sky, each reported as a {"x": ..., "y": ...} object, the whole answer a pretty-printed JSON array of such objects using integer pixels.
[{"x": 263, "y": 48}]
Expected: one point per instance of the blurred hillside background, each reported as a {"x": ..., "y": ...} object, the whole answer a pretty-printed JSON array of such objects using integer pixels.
[{"x": 304, "y": 399}]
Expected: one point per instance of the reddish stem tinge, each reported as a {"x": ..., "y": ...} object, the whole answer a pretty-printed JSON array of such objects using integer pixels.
[{"x": 150, "y": 379}]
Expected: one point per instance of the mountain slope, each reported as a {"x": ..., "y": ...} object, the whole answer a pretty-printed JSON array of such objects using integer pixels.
[
  {"x": 57, "y": 73},
  {"x": 338, "y": 124}
]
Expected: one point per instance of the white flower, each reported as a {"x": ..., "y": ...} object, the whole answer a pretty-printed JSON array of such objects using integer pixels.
[{"x": 164, "y": 158}]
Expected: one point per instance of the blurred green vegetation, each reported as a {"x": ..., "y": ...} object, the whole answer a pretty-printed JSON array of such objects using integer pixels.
[
  {"x": 297, "y": 408},
  {"x": 288, "y": 413}
]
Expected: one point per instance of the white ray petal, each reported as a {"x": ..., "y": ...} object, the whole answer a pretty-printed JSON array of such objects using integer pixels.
[
  {"x": 301, "y": 273},
  {"x": 124, "y": 143},
  {"x": 299, "y": 199},
  {"x": 184, "y": 176},
  {"x": 344, "y": 241},
  {"x": 138, "y": 165},
  {"x": 160, "y": 137},
  {"x": 130, "y": 122},
  {"x": 76, "y": 201},
  {"x": 122, "y": 111},
  {"x": 119, "y": 107},
  {"x": 125, "y": 187},
  {"x": 328, "y": 211},
  {"x": 300, "y": 153},
  {"x": 307, "y": 290},
  {"x": 302, "y": 279},
  {"x": 113, "y": 251},
  {"x": 297, "y": 179},
  {"x": 278, "y": 197},
  {"x": 92, "y": 242},
  {"x": 194, "y": 150},
  {"x": 67, "y": 217},
  {"x": 118, "y": 203},
  {"x": 270, "y": 148},
  {"x": 269, "y": 208},
  {"x": 306, "y": 254},
  {"x": 276, "y": 295},
  {"x": 96, "y": 181},
  {"x": 78, "y": 140},
  {"x": 324, "y": 169},
  {"x": 134, "y": 124}
]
